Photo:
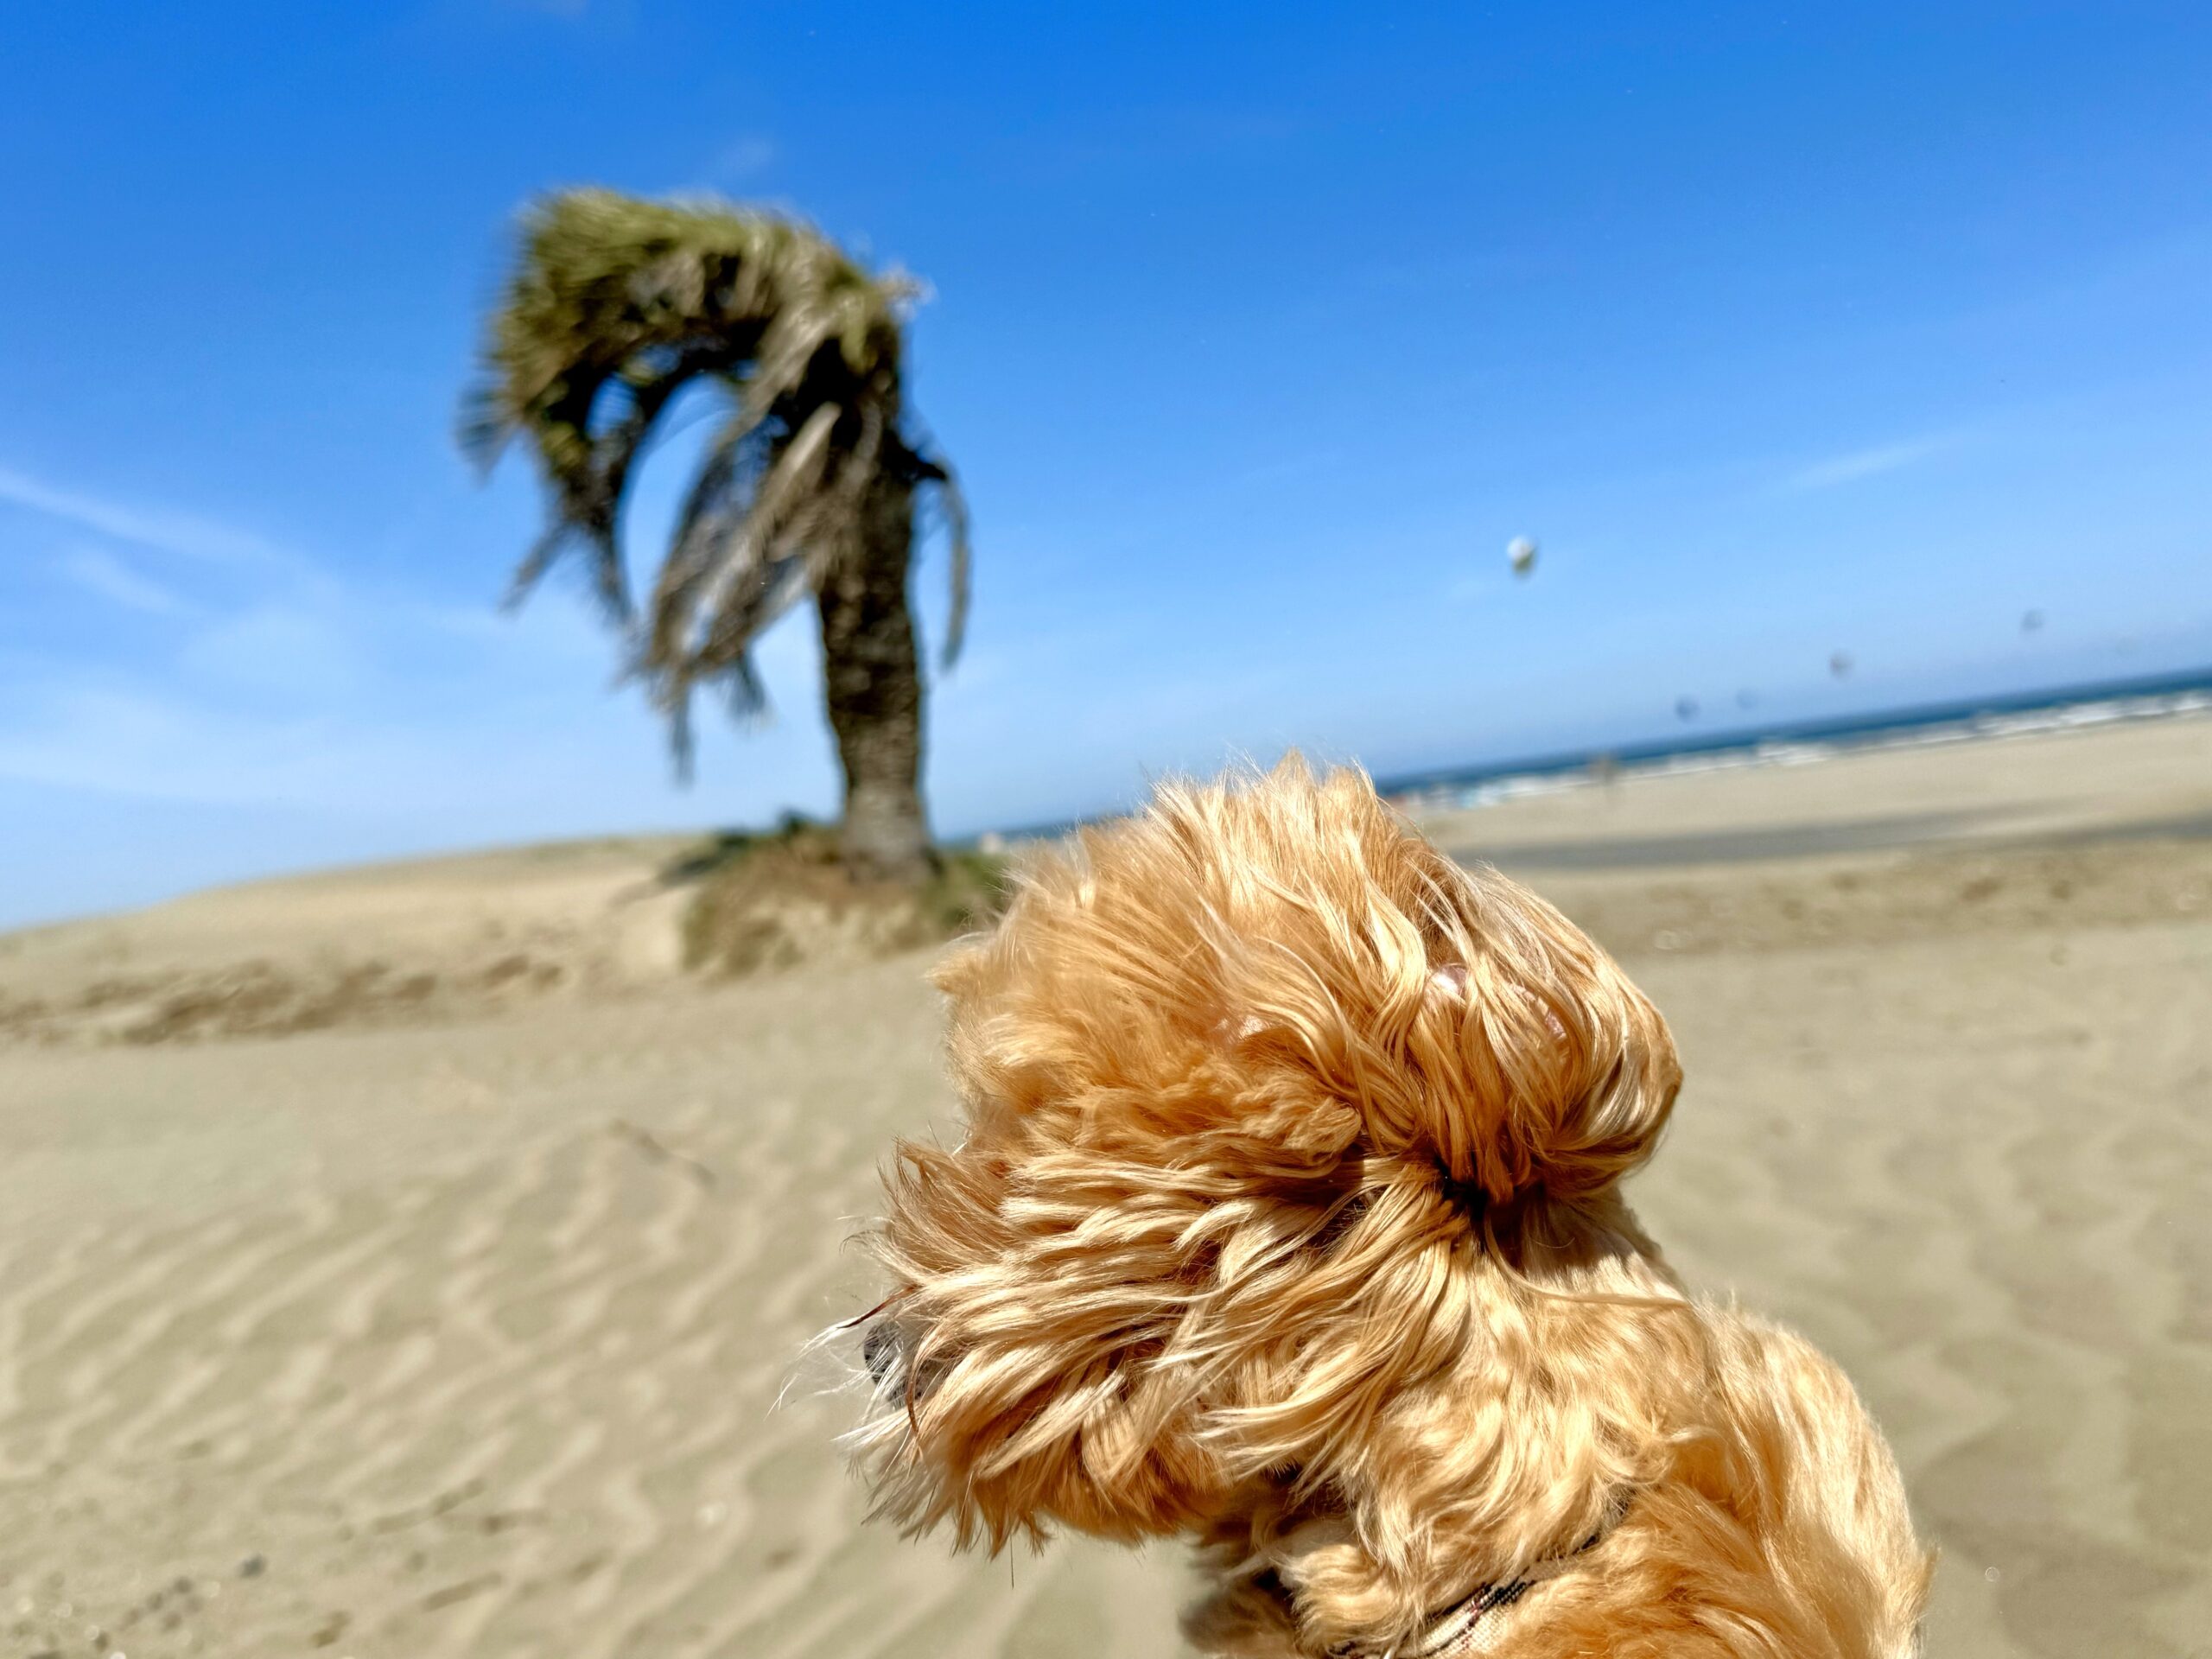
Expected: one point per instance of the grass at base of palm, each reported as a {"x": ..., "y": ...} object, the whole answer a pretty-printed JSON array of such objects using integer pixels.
[{"x": 774, "y": 899}]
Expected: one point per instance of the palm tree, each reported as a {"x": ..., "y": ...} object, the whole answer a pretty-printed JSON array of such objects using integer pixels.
[{"x": 807, "y": 489}]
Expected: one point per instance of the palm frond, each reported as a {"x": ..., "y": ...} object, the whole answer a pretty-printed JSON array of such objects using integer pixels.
[
  {"x": 729, "y": 547},
  {"x": 960, "y": 555}
]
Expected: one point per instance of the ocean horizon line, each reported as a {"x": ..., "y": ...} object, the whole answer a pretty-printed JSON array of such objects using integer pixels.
[{"x": 2075, "y": 703}]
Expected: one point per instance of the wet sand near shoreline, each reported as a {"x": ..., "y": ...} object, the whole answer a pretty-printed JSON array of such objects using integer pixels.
[{"x": 454, "y": 1320}]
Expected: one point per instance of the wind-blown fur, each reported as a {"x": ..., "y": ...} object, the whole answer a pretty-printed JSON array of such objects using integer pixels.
[{"x": 1289, "y": 1220}]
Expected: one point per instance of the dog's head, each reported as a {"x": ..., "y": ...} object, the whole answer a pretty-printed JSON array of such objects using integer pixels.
[{"x": 1274, "y": 1117}]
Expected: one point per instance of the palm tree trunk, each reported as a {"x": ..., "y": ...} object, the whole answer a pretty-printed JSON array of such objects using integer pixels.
[{"x": 872, "y": 678}]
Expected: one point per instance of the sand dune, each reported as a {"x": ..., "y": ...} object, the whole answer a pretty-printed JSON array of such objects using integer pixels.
[{"x": 460, "y": 1330}]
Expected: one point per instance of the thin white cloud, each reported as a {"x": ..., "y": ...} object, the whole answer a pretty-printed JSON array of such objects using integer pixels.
[
  {"x": 284, "y": 652},
  {"x": 144, "y": 745},
  {"x": 159, "y": 528},
  {"x": 99, "y": 571},
  {"x": 1851, "y": 468}
]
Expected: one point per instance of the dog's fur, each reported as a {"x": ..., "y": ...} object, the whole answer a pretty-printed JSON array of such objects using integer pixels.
[{"x": 1289, "y": 1220}]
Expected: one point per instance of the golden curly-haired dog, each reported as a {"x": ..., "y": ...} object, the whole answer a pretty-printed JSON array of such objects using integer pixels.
[{"x": 1289, "y": 1219}]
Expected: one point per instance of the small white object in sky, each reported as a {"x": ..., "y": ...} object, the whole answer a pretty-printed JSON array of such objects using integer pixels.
[{"x": 1521, "y": 552}]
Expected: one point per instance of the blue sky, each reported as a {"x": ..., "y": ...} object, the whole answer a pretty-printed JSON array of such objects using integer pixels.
[{"x": 1257, "y": 331}]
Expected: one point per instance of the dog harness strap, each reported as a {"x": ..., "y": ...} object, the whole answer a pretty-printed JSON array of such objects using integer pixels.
[{"x": 1464, "y": 1628}]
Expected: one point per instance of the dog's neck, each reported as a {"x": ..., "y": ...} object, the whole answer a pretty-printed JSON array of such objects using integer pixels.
[
  {"x": 1476, "y": 1622},
  {"x": 1475, "y": 1625}
]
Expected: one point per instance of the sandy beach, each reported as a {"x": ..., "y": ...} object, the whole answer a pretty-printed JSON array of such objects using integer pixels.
[{"x": 409, "y": 1261}]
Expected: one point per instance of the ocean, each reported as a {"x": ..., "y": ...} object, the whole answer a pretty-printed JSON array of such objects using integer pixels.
[{"x": 1800, "y": 743}]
